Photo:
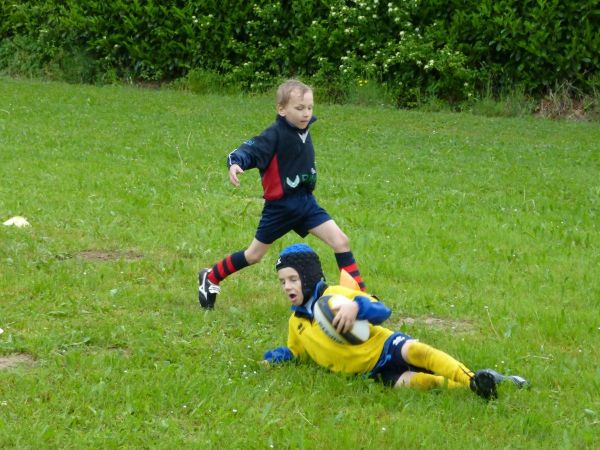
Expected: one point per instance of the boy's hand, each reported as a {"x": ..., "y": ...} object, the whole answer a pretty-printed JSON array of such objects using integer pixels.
[
  {"x": 234, "y": 170},
  {"x": 345, "y": 317}
]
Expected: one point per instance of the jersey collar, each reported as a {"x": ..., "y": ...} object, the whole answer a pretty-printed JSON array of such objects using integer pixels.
[{"x": 306, "y": 310}]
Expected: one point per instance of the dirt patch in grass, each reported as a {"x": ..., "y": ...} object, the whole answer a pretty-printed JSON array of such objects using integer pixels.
[
  {"x": 18, "y": 359},
  {"x": 109, "y": 255},
  {"x": 455, "y": 325}
]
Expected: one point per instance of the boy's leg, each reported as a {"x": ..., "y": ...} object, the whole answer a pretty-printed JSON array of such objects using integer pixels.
[
  {"x": 426, "y": 381},
  {"x": 333, "y": 236},
  {"x": 426, "y": 357},
  {"x": 209, "y": 279},
  {"x": 227, "y": 266},
  {"x": 483, "y": 382},
  {"x": 345, "y": 261}
]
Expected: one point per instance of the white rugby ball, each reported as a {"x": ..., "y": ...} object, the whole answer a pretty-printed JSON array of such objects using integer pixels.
[{"x": 324, "y": 312}]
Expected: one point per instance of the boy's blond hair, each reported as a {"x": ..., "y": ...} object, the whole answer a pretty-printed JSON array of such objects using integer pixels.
[{"x": 284, "y": 91}]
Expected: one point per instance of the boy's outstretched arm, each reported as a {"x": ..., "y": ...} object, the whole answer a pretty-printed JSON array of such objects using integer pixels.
[
  {"x": 278, "y": 355},
  {"x": 256, "y": 152}
]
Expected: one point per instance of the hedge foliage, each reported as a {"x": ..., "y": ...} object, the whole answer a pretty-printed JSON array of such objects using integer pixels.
[{"x": 415, "y": 48}]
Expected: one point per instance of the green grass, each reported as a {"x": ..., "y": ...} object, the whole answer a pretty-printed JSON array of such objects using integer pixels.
[{"x": 489, "y": 225}]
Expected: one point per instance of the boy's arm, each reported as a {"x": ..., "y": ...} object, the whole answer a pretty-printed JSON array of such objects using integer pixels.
[
  {"x": 371, "y": 310},
  {"x": 255, "y": 152},
  {"x": 278, "y": 355},
  {"x": 293, "y": 349}
]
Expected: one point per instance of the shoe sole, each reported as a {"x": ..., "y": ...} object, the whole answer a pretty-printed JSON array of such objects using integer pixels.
[{"x": 518, "y": 381}]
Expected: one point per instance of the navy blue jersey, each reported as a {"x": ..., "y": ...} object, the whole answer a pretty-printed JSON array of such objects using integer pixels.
[{"x": 284, "y": 156}]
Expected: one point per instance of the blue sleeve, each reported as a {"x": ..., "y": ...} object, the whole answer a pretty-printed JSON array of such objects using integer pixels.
[
  {"x": 240, "y": 157},
  {"x": 374, "y": 312},
  {"x": 256, "y": 152},
  {"x": 279, "y": 355}
]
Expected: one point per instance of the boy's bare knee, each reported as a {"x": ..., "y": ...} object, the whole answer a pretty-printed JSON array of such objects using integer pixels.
[
  {"x": 404, "y": 379},
  {"x": 341, "y": 242},
  {"x": 345, "y": 240}
]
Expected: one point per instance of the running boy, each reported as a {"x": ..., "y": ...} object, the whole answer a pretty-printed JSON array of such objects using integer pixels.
[
  {"x": 285, "y": 158},
  {"x": 394, "y": 358}
]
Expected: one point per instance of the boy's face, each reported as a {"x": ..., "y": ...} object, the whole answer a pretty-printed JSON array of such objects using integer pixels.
[
  {"x": 292, "y": 285},
  {"x": 299, "y": 109}
]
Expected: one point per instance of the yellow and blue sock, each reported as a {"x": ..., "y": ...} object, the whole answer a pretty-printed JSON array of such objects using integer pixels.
[{"x": 428, "y": 381}]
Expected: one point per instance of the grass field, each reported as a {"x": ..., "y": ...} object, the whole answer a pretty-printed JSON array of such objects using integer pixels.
[{"x": 483, "y": 236}]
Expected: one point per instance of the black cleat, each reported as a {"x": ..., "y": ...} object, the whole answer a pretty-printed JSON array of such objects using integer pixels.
[
  {"x": 484, "y": 383},
  {"x": 207, "y": 291}
]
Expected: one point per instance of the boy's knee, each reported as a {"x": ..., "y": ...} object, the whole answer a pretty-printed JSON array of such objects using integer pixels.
[
  {"x": 344, "y": 240},
  {"x": 341, "y": 242},
  {"x": 413, "y": 349}
]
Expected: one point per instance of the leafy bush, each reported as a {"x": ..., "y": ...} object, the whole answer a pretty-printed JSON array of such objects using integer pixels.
[
  {"x": 537, "y": 44},
  {"x": 27, "y": 39},
  {"x": 414, "y": 49}
]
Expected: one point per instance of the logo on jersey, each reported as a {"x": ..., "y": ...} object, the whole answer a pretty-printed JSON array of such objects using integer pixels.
[
  {"x": 398, "y": 340},
  {"x": 305, "y": 178},
  {"x": 293, "y": 184}
]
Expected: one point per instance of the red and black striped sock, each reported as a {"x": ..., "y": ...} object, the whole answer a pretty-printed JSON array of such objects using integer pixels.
[
  {"x": 345, "y": 261},
  {"x": 227, "y": 266}
]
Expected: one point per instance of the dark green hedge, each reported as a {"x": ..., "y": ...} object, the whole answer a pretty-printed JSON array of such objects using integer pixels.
[
  {"x": 539, "y": 43},
  {"x": 445, "y": 48}
]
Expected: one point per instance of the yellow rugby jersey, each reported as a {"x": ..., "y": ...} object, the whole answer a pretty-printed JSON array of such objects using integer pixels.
[{"x": 306, "y": 339}]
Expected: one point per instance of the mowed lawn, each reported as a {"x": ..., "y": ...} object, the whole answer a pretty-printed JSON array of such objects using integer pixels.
[{"x": 482, "y": 234}]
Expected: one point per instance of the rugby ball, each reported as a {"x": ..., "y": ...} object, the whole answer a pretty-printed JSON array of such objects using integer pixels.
[{"x": 324, "y": 312}]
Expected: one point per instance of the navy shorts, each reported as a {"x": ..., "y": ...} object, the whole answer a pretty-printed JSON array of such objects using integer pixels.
[
  {"x": 298, "y": 212},
  {"x": 391, "y": 365}
]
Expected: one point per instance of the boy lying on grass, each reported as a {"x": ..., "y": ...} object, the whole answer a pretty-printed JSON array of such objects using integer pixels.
[{"x": 394, "y": 358}]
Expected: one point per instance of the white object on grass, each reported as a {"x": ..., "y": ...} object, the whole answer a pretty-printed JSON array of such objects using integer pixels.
[{"x": 17, "y": 221}]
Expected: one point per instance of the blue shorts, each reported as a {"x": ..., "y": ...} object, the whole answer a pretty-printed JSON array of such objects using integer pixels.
[
  {"x": 298, "y": 212},
  {"x": 391, "y": 365}
]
